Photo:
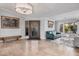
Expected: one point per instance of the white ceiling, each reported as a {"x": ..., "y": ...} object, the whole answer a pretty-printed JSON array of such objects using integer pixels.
[{"x": 44, "y": 9}]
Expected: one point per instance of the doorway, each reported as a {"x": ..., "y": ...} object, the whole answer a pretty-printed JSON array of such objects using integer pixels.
[{"x": 33, "y": 29}]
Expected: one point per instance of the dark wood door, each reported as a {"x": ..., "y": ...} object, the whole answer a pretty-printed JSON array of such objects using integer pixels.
[{"x": 34, "y": 29}]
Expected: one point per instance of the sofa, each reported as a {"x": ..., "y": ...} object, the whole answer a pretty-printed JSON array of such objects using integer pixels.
[{"x": 51, "y": 35}]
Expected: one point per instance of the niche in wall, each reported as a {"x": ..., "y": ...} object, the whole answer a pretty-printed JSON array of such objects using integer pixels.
[{"x": 9, "y": 22}]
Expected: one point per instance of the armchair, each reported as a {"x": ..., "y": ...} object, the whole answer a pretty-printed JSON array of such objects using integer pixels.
[{"x": 52, "y": 35}]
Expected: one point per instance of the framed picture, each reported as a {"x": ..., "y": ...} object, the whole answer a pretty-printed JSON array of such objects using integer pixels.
[
  {"x": 50, "y": 24},
  {"x": 61, "y": 27},
  {"x": 9, "y": 22}
]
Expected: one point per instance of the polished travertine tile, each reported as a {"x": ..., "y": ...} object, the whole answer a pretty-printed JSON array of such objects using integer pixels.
[{"x": 36, "y": 48}]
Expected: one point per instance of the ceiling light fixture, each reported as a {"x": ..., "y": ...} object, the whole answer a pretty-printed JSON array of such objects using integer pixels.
[{"x": 24, "y": 8}]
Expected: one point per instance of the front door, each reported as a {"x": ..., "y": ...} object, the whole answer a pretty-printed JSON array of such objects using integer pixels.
[{"x": 34, "y": 29}]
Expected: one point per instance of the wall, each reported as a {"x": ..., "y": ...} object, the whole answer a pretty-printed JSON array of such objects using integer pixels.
[
  {"x": 21, "y": 29},
  {"x": 67, "y": 17},
  {"x": 18, "y": 31},
  {"x": 66, "y": 21},
  {"x": 43, "y": 26}
]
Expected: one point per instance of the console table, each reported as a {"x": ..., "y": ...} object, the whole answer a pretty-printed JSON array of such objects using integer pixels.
[{"x": 5, "y": 38}]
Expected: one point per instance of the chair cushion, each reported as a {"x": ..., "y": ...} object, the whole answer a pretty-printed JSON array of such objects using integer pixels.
[{"x": 54, "y": 32}]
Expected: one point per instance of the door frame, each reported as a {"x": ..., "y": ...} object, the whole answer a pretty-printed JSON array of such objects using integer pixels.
[{"x": 30, "y": 29}]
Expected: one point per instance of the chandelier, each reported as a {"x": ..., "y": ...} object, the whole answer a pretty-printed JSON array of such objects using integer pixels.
[{"x": 24, "y": 8}]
